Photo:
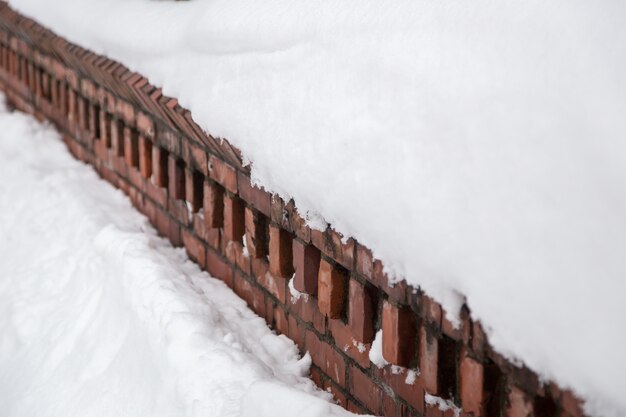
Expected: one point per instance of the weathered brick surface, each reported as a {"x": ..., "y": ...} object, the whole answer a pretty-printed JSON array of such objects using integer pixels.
[
  {"x": 280, "y": 252},
  {"x": 197, "y": 193},
  {"x": 331, "y": 290},
  {"x": 361, "y": 311},
  {"x": 471, "y": 385},
  {"x": 306, "y": 261},
  {"x": 256, "y": 236}
]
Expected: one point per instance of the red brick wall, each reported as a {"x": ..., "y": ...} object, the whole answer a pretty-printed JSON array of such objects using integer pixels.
[{"x": 196, "y": 192}]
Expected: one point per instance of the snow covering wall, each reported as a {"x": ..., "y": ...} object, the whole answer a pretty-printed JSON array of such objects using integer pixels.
[{"x": 379, "y": 348}]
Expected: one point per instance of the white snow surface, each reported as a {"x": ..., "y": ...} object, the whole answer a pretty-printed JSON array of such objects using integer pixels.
[
  {"x": 101, "y": 317},
  {"x": 376, "y": 351},
  {"x": 477, "y": 147}
]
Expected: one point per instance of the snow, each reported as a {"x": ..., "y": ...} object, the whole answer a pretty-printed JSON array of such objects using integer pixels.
[
  {"x": 411, "y": 376},
  {"x": 100, "y": 317},
  {"x": 376, "y": 351},
  {"x": 476, "y": 147},
  {"x": 442, "y": 404},
  {"x": 295, "y": 294}
]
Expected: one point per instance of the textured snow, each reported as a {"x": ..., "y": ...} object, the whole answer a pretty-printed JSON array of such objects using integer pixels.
[
  {"x": 101, "y": 317},
  {"x": 477, "y": 147}
]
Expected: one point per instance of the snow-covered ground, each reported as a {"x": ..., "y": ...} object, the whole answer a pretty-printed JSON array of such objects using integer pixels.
[
  {"x": 478, "y": 147},
  {"x": 101, "y": 317}
]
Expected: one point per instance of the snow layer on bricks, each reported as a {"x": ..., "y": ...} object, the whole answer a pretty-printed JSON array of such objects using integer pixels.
[{"x": 325, "y": 292}]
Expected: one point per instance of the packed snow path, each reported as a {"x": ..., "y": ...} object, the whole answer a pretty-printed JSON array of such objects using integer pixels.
[{"x": 101, "y": 317}]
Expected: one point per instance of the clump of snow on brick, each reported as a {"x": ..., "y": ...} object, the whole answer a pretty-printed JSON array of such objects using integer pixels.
[
  {"x": 411, "y": 376},
  {"x": 376, "y": 352},
  {"x": 442, "y": 404},
  {"x": 295, "y": 294},
  {"x": 244, "y": 243},
  {"x": 360, "y": 346}
]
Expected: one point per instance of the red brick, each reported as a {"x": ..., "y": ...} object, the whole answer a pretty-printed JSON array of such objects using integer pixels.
[
  {"x": 518, "y": 404},
  {"x": 117, "y": 138},
  {"x": 306, "y": 262},
  {"x": 214, "y": 238},
  {"x": 101, "y": 150},
  {"x": 213, "y": 205},
  {"x": 169, "y": 140},
  {"x": 355, "y": 408},
  {"x": 194, "y": 189},
  {"x": 280, "y": 253},
  {"x": 149, "y": 209},
  {"x": 234, "y": 222},
  {"x": 175, "y": 235},
  {"x": 223, "y": 173},
  {"x": 277, "y": 286},
  {"x": 330, "y": 286},
  {"x": 195, "y": 248},
  {"x": 254, "y": 196},
  {"x": 399, "y": 333},
  {"x": 471, "y": 377},
  {"x": 364, "y": 261},
  {"x": 218, "y": 268},
  {"x": 163, "y": 223},
  {"x": 91, "y": 122},
  {"x": 126, "y": 111},
  {"x": 428, "y": 353},
  {"x": 72, "y": 107},
  {"x": 389, "y": 406},
  {"x": 252, "y": 295},
  {"x": 259, "y": 267},
  {"x": 316, "y": 376},
  {"x": 135, "y": 178},
  {"x": 88, "y": 89},
  {"x": 176, "y": 177},
  {"x": 281, "y": 323},
  {"x": 395, "y": 290},
  {"x": 309, "y": 312},
  {"x": 145, "y": 157},
  {"x": 361, "y": 311},
  {"x": 346, "y": 341},
  {"x": 478, "y": 339},
  {"x": 279, "y": 213},
  {"x": 433, "y": 411},
  {"x": 366, "y": 391},
  {"x": 105, "y": 128},
  {"x": 256, "y": 239},
  {"x": 326, "y": 358},
  {"x": 234, "y": 254},
  {"x": 178, "y": 210},
  {"x": 412, "y": 393},
  {"x": 329, "y": 242},
  {"x": 296, "y": 332},
  {"x": 198, "y": 159},
  {"x": 430, "y": 311},
  {"x": 159, "y": 195},
  {"x": 131, "y": 147},
  {"x": 338, "y": 394},
  {"x": 145, "y": 124},
  {"x": 299, "y": 226}
]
